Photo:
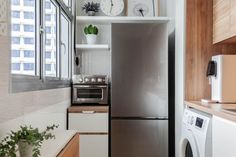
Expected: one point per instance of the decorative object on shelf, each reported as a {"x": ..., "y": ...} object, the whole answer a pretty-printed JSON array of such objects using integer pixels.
[
  {"x": 91, "y": 33},
  {"x": 91, "y": 8},
  {"x": 143, "y": 8},
  {"x": 112, "y": 7},
  {"x": 29, "y": 141}
]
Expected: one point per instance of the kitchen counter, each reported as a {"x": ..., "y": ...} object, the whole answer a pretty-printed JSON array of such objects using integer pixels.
[
  {"x": 216, "y": 109},
  {"x": 51, "y": 148}
]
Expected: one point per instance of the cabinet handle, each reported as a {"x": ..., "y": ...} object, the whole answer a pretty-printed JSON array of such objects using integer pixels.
[{"x": 88, "y": 112}]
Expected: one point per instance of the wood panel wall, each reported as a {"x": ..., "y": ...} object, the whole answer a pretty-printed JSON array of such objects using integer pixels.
[{"x": 200, "y": 48}]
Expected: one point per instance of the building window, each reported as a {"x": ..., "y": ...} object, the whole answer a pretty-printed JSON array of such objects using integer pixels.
[
  {"x": 48, "y": 42},
  {"x": 15, "y": 66},
  {"x": 15, "y": 53},
  {"x": 29, "y": 28},
  {"x": 47, "y": 54},
  {"x": 48, "y": 67},
  {"x": 15, "y": 2},
  {"x": 15, "y": 14},
  {"x": 16, "y": 27},
  {"x": 47, "y": 5},
  {"x": 47, "y": 17},
  {"x": 28, "y": 66},
  {"x": 48, "y": 30},
  {"x": 28, "y": 15},
  {"x": 28, "y": 53},
  {"x": 15, "y": 40},
  {"x": 29, "y": 2},
  {"x": 29, "y": 41}
]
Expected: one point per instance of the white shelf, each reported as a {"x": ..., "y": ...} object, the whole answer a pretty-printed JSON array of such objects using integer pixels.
[
  {"x": 120, "y": 19},
  {"x": 92, "y": 47}
]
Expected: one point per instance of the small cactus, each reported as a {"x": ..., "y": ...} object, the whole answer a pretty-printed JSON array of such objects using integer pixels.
[{"x": 91, "y": 30}]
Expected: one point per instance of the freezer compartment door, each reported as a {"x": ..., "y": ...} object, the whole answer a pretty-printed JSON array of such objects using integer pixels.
[{"x": 139, "y": 138}]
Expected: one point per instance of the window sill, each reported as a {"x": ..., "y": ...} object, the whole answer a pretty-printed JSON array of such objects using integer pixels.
[{"x": 22, "y": 83}]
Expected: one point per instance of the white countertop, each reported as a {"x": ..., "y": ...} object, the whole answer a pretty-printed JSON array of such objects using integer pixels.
[{"x": 51, "y": 148}]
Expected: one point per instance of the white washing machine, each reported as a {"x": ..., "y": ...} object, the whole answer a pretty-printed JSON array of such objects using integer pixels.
[{"x": 196, "y": 138}]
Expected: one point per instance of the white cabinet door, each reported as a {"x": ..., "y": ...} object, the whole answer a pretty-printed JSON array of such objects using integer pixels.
[
  {"x": 88, "y": 123},
  {"x": 93, "y": 146},
  {"x": 223, "y": 137}
]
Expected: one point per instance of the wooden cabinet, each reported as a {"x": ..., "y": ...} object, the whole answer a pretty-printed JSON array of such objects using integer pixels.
[
  {"x": 223, "y": 137},
  {"x": 71, "y": 149},
  {"x": 224, "y": 21},
  {"x": 92, "y": 124}
]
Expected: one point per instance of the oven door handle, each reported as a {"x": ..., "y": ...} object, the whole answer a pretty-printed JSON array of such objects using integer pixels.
[{"x": 90, "y": 86}]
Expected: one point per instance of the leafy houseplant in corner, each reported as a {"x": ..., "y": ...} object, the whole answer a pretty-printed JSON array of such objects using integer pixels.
[
  {"x": 91, "y": 8},
  {"x": 91, "y": 33},
  {"x": 29, "y": 141}
]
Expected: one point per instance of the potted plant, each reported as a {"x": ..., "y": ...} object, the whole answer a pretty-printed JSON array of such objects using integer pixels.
[
  {"x": 91, "y": 8},
  {"x": 91, "y": 33},
  {"x": 27, "y": 141}
]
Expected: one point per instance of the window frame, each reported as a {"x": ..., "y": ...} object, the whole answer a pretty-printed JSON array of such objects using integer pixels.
[{"x": 24, "y": 83}]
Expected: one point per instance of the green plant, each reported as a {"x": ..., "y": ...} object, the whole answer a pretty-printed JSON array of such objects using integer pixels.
[
  {"x": 91, "y": 30},
  {"x": 32, "y": 136},
  {"x": 91, "y": 7}
]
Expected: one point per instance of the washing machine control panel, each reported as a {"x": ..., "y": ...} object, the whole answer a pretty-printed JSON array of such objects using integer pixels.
[{"x": 195, "y": 121}]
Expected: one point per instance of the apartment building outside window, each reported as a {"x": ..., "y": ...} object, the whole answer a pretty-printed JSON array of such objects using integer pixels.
[{"x": 32, "y": 56}]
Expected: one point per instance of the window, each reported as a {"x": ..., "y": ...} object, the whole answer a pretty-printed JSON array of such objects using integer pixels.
[
  {"x": 15, "y": 2},
  {"x": 47, "y": 54},
  {"x": 28, "y": 28},
  {"x": 48, "y": 30},
  {"x": 52, "y": 38},
  {"x": 29, "y": 66},
  {"x": 28, "y": 53},
  {"x": 16, "y": 27},
  {"x": 15, "y": 14},
  {"x": 48, "y": 67},
  {"x": 28, "y": 15},
  {"x": 15, "y": 53},
  {"x": 29, "y": 2},
  {"x": 48, "y": 42},
  {"x": 15, "y": 40},
  {"x": 15, "y": 66},
  {"x": 47, "y": 17},
  {"x": 29, "y": 41},
  {"x": 40, "y": 52},
  {"x": 47, "y": 5}
]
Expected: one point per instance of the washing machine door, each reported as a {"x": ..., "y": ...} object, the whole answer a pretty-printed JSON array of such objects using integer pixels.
[{"x": 189, "y": 145}]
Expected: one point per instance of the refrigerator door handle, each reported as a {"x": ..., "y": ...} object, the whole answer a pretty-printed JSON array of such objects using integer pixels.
[{"x": 139, "y": 118}]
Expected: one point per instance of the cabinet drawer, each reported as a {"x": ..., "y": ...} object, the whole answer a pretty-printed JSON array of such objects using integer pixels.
[
  {"x": 93, "y": 146},
  {"x": 83, "y": 122}
]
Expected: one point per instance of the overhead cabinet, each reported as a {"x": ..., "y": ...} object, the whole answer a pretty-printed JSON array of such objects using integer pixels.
[{"x": 224, "y": 21}]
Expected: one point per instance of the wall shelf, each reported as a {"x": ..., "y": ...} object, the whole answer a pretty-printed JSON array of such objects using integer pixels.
[
  {"x": 120, "y": 19},
  {"x": 92, "y": 47}
]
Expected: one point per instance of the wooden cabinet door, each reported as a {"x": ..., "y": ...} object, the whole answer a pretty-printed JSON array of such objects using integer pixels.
[
  {"x": 221, "y": 20},
  {"x": 71, "y": 149},
  {"x": 223, "y": 137}
]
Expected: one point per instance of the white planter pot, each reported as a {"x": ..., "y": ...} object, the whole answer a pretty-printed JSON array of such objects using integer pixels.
[
  {"x": 91, "y": 39},
  {"x": 25, "y": 149}
]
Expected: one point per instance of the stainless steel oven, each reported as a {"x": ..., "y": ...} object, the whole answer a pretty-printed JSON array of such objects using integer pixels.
[{"x": 90, "y": 90}]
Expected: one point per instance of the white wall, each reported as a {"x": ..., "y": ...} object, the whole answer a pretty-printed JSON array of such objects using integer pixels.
[
  {"x": 179, "y": 70},
  {"x": 38, "y": 108}
]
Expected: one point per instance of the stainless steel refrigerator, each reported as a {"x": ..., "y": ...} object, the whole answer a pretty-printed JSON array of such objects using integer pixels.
[{"x": 139, "y": 90}]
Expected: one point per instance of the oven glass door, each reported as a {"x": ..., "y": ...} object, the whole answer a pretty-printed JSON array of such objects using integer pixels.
[{"x": 89, "y": 93}]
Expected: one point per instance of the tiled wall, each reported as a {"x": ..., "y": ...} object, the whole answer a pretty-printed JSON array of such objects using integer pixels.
[{"x": 38, "y": 108}]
